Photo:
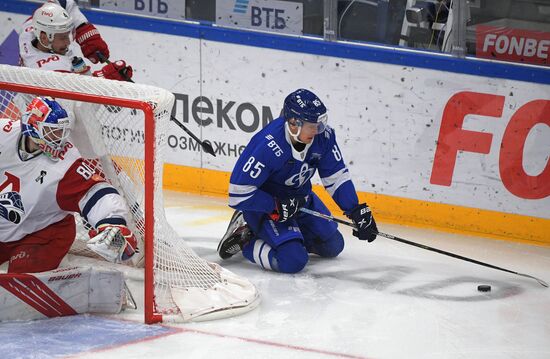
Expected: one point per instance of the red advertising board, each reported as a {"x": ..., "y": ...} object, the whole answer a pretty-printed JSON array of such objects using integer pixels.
[
  {"x": 509, "y": 44},
  {"x": 453, "y": 138}
]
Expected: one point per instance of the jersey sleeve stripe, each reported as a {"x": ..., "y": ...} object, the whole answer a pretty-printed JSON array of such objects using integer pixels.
[
  {"x": 113, "y": 220},
  {"x": 89, "y": 194},
  {"x": 333, "y": 182},
  {"x": 239, "y": 189},
  {"x": 235, "y": 201},
  {"x": 95, "y": 197}
]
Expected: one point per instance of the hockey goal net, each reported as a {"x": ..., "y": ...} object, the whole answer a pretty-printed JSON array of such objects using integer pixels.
[{"x": 121, "y": 128}]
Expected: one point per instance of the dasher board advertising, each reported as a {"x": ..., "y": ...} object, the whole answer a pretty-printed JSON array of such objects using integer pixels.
[
  {"x": 172, "y": 9},
  {"x": 266, "y": 15}
]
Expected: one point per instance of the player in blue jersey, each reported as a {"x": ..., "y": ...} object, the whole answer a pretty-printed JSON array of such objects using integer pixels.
[{"x": 272, "y": 181}]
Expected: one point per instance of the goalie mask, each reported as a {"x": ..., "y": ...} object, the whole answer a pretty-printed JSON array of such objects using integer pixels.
[
  {"x": 52, "y": 19},
  {"x": 48, "y": 125},
  {"x": 306, "y": 109}
]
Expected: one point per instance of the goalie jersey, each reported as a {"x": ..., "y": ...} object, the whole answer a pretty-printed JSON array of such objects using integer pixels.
[
  {"x": 36, "y": 192},
  {"x": 270, "y": 167}
]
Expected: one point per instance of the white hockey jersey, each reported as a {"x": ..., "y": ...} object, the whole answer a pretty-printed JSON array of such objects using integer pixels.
[
  {"x": 37, "y": 192},
  {"x": 31, "y": 57}
]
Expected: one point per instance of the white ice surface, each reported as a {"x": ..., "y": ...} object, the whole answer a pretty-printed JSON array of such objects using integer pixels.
[{"x": 376, "y": 300}]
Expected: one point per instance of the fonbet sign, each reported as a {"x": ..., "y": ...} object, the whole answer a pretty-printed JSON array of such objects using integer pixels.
[
  {"x": 510, "y": 44},
  {"x": 454, "y": 138}
]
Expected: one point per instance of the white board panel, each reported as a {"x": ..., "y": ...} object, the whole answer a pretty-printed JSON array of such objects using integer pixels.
[{"x": 388, "y": 118}]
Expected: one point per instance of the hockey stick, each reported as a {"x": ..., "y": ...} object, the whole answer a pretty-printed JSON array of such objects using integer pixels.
[
  {"x": 389, "y": 236},
  {"x": 205, "y": 145}
]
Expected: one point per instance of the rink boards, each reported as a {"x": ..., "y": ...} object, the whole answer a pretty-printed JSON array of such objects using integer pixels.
[{"x": 428, "y": 140}]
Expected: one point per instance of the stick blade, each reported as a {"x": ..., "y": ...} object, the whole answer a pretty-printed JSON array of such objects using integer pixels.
[{"x": 207, "y": 147}]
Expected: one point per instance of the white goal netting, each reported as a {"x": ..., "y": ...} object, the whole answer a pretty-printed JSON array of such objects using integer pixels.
[{"x": 121, "y": 129}]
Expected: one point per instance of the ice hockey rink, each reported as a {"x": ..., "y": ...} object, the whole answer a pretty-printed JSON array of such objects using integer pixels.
[{"x": 379, "y": 300}]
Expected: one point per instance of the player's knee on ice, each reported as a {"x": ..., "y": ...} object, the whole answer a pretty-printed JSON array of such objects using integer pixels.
[
  {"x": 291, "y": 257},
  {"x": 328, "y": 247}
]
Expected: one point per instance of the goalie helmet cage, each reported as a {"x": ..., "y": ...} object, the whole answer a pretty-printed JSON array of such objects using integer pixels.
[{"x": 121, "y": 131}]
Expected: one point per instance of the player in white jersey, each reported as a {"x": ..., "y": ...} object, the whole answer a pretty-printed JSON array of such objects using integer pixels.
[
  {"x": 46, "y": 42},
  {"x": 43, "y": 181}
]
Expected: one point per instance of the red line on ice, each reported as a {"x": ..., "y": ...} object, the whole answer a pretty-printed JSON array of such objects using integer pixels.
[{"x": 177, "y": 330}]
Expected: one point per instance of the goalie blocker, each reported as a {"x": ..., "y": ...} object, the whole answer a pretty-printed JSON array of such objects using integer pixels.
[{"x": 62, "y": 292}]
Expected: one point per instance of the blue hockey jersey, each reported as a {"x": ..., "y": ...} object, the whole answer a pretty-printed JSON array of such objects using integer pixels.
[{"x": 270, "y": 167}]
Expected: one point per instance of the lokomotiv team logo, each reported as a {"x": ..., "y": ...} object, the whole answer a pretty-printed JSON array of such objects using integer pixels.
[{"x": 11, "y": 205}]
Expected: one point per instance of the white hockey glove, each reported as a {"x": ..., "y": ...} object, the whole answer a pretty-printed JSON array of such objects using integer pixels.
[{"x": 115, "y": 243}]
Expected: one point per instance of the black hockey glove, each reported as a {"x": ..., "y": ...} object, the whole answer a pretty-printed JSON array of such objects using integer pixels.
[
  {"x": 363, "y": 219},
  {"x": 287, "y": 208}
]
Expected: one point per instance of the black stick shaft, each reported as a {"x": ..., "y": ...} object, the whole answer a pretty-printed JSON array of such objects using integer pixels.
[
  {"x": 206, "y": 146},
  {"x": 394, "y": 238},
  {"x": 188, "y": 131}
]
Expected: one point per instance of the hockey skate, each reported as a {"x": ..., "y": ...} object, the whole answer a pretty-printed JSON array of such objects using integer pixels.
[{"x": 238, "y": 234}]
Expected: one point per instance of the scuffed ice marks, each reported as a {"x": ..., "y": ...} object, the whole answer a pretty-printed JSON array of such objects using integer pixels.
[
  {"x": 463, "y": 289},
  {"x": 393, "y": 279}
]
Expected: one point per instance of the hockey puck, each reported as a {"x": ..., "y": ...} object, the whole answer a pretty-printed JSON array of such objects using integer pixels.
[{"x": 484, "y": 288}]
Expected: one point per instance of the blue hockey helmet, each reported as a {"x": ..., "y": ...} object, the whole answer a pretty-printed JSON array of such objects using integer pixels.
[
  {"x": 304, "y": 105},
  {"x": 47, "y": 124}
]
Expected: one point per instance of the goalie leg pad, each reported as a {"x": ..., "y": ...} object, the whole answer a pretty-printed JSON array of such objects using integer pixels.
[{"x": 61, "y": 292}]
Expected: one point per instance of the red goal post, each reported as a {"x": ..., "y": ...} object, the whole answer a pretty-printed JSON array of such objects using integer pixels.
[{"x": 179, "y": 285}]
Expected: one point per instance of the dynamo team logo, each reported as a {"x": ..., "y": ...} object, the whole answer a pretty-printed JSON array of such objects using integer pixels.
[
  {"x": 301, "y": 177},
  {"x": 241, "y": 6}
]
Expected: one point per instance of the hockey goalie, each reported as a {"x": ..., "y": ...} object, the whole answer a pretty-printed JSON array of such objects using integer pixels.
[{"x": 43, "y": 181}]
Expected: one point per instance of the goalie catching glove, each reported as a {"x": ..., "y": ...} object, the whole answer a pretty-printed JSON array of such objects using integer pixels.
[
  {"x": 116, "y": 243},
  {"x": 287, "y": 208},
  {"x": 364, "y": 221},
  {"x": 91, "y": 42},
  {"x": 115, "y": 71}
]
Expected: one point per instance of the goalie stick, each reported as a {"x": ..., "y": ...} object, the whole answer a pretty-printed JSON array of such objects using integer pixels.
[
  {"x": 394, "y": 238},
  {"x": 205, "y": 145}
]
